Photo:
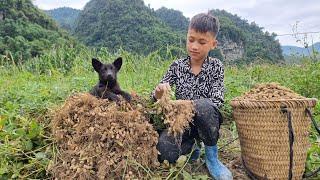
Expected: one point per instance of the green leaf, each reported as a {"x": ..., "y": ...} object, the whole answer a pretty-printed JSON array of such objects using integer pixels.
[
  {"x": 41, "y": 155},
  {"x": 3, "y": 121},
  {"x": 201, "y": 177},
  {"x": 28, "y": 145},
  {"x": 181, "y": 161},
  {"x": 34, "y": 129},
  {"x": 186, "y": 175},
  {"x": 20, "y": 132},
  {"x": 3, "y": 170}
]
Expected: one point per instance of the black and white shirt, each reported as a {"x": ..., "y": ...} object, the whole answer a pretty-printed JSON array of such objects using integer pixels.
[{"x": 209, "y": 83}]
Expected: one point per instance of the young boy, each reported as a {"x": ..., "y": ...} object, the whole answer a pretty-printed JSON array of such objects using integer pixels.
[{"x": 198, "y": 78}]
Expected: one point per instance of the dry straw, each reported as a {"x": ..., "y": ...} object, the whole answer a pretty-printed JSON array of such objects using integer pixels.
[{"x": 273, "y": 129}]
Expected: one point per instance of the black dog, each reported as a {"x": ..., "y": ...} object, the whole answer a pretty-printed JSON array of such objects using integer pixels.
[{"x": 108, "y": 87}]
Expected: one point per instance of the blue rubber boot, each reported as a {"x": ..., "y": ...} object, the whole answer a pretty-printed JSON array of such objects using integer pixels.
[{"x": 217, "y": 170}]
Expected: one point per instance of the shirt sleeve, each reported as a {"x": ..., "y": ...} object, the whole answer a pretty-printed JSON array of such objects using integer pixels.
[
  {"x": 217, "y": 94},
  {"x": 170, "y": 77}
]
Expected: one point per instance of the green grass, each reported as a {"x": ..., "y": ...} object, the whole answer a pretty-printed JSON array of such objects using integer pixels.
[{"x": 29, "y": 92}]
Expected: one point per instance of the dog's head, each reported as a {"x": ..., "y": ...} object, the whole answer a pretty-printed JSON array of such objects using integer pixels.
[{"x": 107, "y": 72}]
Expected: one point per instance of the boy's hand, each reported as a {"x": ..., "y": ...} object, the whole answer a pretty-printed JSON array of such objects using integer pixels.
[{"x": 160, "y": 89}]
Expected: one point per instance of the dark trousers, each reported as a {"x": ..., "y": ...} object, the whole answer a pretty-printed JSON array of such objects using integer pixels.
[{"x": 205, "y": 127}]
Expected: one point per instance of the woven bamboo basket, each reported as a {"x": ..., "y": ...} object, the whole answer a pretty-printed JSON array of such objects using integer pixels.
[{"x": 273, "y": 136}]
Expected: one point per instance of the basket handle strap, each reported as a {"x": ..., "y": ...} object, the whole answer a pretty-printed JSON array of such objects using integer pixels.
[
  {"x": 284, "y": 109},
  {"x": 308, "y": 111},
  {"x": 291, "y": 138}
]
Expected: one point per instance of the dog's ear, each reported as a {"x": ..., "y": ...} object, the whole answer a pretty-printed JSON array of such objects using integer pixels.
[
  {"x": 118, "y": 63},
  {"x": 96, "y": 64}
]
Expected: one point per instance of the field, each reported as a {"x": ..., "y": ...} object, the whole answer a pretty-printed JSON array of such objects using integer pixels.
[{"x": 30, "y": 92}]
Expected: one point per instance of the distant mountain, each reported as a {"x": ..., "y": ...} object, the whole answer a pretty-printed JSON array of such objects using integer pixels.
[
  {"x": 138, "y": 28},
  {"x": 299, "y": 51},
  {"x": 65, "y": 17},
  {"x": 124, "y": 23},
  {"x": 26, "y": 31}
]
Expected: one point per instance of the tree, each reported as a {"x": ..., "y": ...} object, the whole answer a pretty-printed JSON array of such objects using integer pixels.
[
  {"x": 27, "y": 31},
  {"x": 173, "y": 18}
]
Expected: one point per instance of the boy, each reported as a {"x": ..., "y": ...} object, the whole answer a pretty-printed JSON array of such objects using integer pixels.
[{"x": 198, "y": 78}]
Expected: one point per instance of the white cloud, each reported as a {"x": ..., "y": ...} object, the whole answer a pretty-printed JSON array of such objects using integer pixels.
[{"x": 274, "y": 15}]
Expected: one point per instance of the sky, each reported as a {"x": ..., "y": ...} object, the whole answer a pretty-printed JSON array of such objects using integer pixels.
[{"x": 284, "y": 17}]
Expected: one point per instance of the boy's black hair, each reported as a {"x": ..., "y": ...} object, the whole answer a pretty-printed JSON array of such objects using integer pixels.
[{"x": 205, "y": 23}]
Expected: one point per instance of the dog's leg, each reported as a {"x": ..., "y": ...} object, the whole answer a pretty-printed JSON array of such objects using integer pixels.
[
  {"x": 111, "y": 96},
  {"x": 95, "y": 91},
  {"x": 125, "y": 95}
]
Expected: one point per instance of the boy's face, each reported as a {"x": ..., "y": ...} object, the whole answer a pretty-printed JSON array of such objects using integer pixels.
[{"x": 199, "y": 44}]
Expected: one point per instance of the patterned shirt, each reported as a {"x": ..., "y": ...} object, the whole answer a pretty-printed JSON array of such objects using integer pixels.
[{"x": 209, "y": 83}]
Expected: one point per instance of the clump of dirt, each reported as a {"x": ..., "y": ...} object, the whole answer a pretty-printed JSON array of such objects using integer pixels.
[
  {"x": 99, "y": 139},
  {"x": 269, "y": 91},
  {"x": 177, "y": 113}
]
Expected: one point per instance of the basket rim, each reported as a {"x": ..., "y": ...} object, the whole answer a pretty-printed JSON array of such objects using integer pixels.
[{"x": 306, "y": 102}]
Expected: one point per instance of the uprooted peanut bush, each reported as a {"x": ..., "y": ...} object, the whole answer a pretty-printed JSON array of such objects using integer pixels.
[
  {"x": 177, "y": 113},
  {"x": 99, "y": 139}
]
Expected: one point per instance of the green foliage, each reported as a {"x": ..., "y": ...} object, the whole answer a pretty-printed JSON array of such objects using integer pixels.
[
  {"x": 65, "y": 17},
  {"x": 216, "y": 53},
  {"x": 26, "y": 32},
  {"x": 258, "y": 45},
  {"x": 173, "y": 18},
  {"x": 29, "y": 92},
  {"x": 26, "y": 11},
  {"x": 24, "y": 149},
  {"x": 123, "y": 23}
]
